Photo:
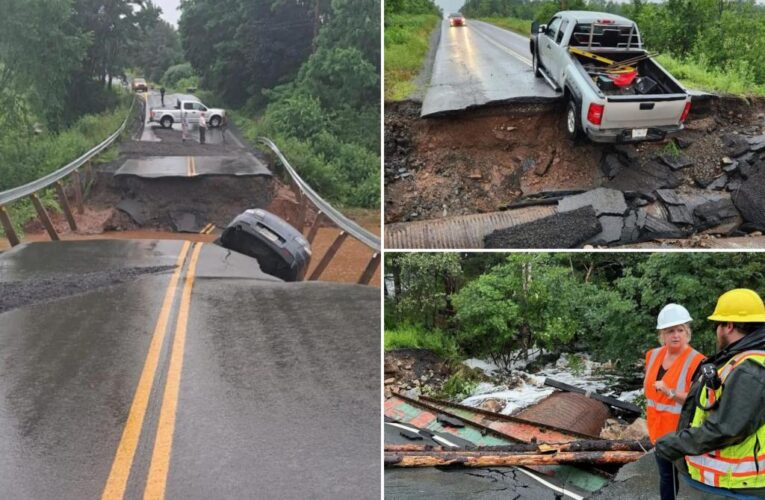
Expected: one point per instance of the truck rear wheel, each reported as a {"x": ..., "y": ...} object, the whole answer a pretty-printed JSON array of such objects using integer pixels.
[
  {"x": 573, "y": 120},
  {"x": 166, "y": 122},
  {"x": 215, "y": 122}
]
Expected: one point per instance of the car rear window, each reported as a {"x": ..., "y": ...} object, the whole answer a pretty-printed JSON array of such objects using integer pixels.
[{"x": 605, "y": 35}]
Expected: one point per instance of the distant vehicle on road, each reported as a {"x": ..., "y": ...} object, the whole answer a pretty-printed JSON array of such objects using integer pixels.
[
  {"x": 190, "y": 107},
  {"x": 139, "y": 85},
  {"x": 456, "y": 20},
  {"x": 614, "y": 90}
]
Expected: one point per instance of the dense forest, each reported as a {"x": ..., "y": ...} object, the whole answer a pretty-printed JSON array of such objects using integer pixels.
[
  {"x": 305, "y": 73},
  {"x": 501, "y": 306},
  {"x": 60, "y": 61},
  {"x": 718, "y": 35}
]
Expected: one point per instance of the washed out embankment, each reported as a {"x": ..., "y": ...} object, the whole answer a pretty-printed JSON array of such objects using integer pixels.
[{"x": 705, "y": 179}]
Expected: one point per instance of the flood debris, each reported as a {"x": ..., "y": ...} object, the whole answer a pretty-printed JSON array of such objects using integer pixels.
[{"x": 613, "y": 402}]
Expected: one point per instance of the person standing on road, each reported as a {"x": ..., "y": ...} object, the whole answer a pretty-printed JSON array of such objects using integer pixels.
[
  {"x": 202, "y": 128},
  {"x": 721, "y": 435},
  {"x": 668, "y": 372},
  {"x": 184, "y": 126},
  {"x": 162, "y": 94}
]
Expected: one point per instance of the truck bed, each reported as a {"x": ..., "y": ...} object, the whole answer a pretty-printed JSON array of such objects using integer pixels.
[{"x": 647, "y": 68}]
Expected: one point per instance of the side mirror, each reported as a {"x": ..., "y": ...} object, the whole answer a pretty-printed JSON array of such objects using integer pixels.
[
  {"x": 535, "y": 27},
  {"x": 542, "y": 28}
]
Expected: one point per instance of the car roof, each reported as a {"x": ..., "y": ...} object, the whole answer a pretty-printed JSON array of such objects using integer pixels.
[
  {"x": 586, "y": 16},
  {"x": 187, "y": 97},
  {"x": 139, "y": 80}
]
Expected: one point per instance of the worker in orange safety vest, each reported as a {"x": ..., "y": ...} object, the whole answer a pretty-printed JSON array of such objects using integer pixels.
[{"x": 668, "y": 375}]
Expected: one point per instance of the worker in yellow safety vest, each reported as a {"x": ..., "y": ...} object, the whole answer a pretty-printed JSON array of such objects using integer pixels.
[{"x": 721, "y": 433}]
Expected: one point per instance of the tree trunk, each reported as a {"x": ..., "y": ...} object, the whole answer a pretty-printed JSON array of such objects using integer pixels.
[{"x": 503, "y": 459}]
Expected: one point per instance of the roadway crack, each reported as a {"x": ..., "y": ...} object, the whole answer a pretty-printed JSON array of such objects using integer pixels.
[{"x": 16, "y": 294}]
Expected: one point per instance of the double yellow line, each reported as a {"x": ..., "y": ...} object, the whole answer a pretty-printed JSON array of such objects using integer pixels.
[
  {"x": 160, "y": 459},
  {"x": 207, "y": 229},
  {"x": 191, "y": 166}
]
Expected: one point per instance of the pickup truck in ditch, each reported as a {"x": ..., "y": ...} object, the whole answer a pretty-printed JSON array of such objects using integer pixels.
[
  {"x": 190, "y": 107},
  {"x": 614, "y": 90}
]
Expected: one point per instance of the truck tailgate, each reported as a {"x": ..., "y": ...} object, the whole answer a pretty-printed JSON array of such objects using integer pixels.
[{"x": 643, "y": 111}]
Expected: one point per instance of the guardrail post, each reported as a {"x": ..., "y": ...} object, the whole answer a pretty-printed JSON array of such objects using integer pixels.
[
  {"x": 44, "y": 217},
  {"x": 370, "y": 270},
  {"x": 331, "y": 251},
  {"x": 315, "y": 226},
  {"x": 10, "y": 233},
  {"x": 65, "y": 205},
  {"x": 78, "y": 192},
  {"x": 300, "y": 199}
]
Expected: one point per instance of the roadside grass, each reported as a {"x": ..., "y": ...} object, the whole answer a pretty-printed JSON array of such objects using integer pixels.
[
  {"x": 406, "y": 43},
  {"x": 415, "y": 337},
  {"x": 28, "y": 158},
  {"x": 330, "y": 166},
  {"x": 733, "y": 80},
  {"x": 520, "y": 26}
]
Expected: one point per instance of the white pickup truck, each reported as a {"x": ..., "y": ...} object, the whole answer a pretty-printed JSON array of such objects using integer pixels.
[
  {"x": 190, "y": 107},
  {"x": 631, "y": 99}
]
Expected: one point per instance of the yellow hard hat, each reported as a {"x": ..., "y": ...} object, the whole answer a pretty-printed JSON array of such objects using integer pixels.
[{"x": 739, "y": 306}]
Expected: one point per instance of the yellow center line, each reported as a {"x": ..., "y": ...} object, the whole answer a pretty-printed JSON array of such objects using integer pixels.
[
  {"x": 123, "y": 459},
  {"x": 204, "y": 229},
  {"x": 188, "y": 166},
  {"x": 211, "y": 229},
  {"x": 163, "y": 443},
  {"x": 193, "y": 166}
]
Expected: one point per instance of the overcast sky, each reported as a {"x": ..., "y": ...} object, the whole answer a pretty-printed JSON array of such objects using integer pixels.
[{"x": 170, "y": 12}]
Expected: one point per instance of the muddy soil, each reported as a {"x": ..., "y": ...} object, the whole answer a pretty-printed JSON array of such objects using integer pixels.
[{"x": 488, "y": 159}]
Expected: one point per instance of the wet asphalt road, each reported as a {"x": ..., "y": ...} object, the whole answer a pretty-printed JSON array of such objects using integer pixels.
[
  {"x": 479, "y": 64},
  {"x": 190, "y": 166},
  {"x": 478, "y": 483},
  {"x": 261, "y": 389}
]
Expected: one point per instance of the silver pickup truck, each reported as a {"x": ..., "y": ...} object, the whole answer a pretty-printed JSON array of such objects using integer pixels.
[
  {"x": 614, "y": 90},
  {"x": 190, "y": 107}
]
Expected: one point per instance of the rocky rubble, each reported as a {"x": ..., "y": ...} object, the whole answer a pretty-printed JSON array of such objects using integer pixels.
[{"x": 648, "y": 200}]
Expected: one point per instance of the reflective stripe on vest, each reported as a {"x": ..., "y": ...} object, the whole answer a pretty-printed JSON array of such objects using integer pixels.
[
  {"x": 675, "y": 408},
  {"x": 734, "y": 466}
]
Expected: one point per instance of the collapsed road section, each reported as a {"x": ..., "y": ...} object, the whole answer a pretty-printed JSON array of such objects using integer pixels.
[{"x": 511, "y": 170}]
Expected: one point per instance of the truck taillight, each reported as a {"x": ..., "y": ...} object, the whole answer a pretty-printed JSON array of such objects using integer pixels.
[
  {"x": 685, "y": 112},
  {"x": 595, "y": 114},
  {"x": 605, "y": 21}
]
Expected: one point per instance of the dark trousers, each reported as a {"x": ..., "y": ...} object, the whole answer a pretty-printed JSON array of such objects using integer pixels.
[
  {"x": 668, "y": 480},
  {"x": 202, "y": 131}
]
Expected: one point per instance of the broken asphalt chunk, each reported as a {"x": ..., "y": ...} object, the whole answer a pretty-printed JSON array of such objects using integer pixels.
[
  {"x": 676, "y": 162},
  {"x": 561, "y": 230},
  {"x": 611, "y": 165},
  {"x": 750, "y": 199},
  {"x": 714, "y": 213},
  {"x": 669, "y": 196},
  {"x": 645, "y": 179},
  {"x": 604, "y": 201},
  {"x": 659, "y": 228},
  {"x": 679, "y": 214},
  {"x": 735, "y": 144},
  {"x": 612, "y": 230}
]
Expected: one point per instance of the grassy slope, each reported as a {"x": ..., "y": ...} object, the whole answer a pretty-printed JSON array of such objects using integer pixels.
[
  {"x": 49, "y": 152},
  {"x": 406, "y": 43},
  {"x": 691, "y": 74}
]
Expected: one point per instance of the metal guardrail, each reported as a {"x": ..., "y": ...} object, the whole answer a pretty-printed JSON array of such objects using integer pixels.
[
  {"x": 32, "y": 188},
  {"x": 347, "y": 227}
]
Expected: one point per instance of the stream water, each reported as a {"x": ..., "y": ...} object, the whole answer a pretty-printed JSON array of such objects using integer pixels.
[{"x": 518, "y": 388}]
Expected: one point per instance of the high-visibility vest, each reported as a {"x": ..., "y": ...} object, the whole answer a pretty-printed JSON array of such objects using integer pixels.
[
  {"x": 663, "y": 412},
  {"x": 738, "y": 466}
]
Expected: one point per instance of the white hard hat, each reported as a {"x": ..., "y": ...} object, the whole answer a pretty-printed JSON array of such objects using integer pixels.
[{"x": 672, "y": 315}]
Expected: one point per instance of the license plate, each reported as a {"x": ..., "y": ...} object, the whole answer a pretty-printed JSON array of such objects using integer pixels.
[{"x": 639, "y": 133}]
